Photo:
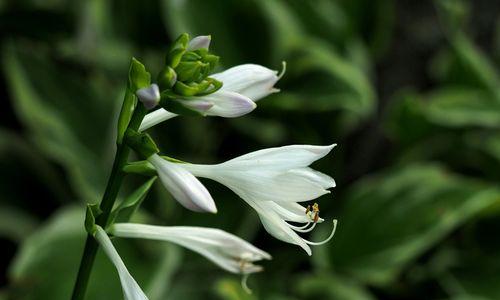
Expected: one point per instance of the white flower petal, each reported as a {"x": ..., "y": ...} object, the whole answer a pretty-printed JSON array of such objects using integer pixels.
[
  {"x": 155, "y": 117},
  {"x": 131, "y": 290},
  {"x": 199, "y": 105},
  {"x": 183, "y": 186},
  {"x": 278, "y": 228},
  {"x": 251, "y": 80},
  {"x": 317, "y": 177},
  {"x": 228, "y": 104},
  {"x": 199, "y": 42},
  {"x": 286, "y": 157}
]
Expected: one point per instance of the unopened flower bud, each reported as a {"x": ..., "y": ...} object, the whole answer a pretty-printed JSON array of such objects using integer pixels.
[{"x": 149, "y": 96}]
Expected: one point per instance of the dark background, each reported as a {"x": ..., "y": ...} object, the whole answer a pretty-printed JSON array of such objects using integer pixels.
[{"x": 410, "y": 90}]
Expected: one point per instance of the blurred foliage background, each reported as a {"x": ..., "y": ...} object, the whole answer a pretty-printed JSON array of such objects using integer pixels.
[{"x": 410, "y": 90}]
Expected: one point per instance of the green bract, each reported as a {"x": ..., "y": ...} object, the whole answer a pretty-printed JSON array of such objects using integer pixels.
[
  {"x": 93, "y": 211},
  {"x": 141, "y": 142}
]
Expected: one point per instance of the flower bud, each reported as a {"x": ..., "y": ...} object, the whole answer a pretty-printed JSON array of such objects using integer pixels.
[
  {"x": 191, "y": 62},
  {"x": 167, "y": 78},
  {"x": 149, "y": 96},
  {"x": 199, "y": 42}
]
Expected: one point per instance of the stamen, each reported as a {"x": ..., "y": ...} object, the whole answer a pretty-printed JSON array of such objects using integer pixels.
[
  {"x": 327, "y": 239},
  {"x": 297, "y": 227},
  {"x": 313, "y": 213},
  {"x": 283, "y": 70},
  {"x": 308, "y": 229},
  {"x": 244, "y": 284}
]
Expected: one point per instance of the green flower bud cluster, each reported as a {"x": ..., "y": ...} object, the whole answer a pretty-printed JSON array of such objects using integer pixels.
[{"x": 186, "y": 71}]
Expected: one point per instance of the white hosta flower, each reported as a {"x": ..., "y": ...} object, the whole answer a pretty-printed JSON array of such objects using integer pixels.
[
  {"x": 183, "y": 186},
  {"x": 242, "y": 86},
  {"x": 228, "y": 251},
  {"x": 149, "y": 96},
  {"x": 272, "y": 181},
  {"x": 131, "y": 290}
]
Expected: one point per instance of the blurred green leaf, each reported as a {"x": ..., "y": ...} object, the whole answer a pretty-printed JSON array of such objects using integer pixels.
[
  {"x": 229, "y": 289},
  {"x": 330, "y": 286},
  {"x": 16, "y": 224},
  {"x": 63, "y": 113},
  {"x": 376, "y": 237},
  {"x": 161, "y": 281},
  {"x": 463, "y": 107}
]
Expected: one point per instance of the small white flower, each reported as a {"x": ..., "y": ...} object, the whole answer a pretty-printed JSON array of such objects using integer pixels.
[
  {"x": 199, "y": 42},
  {"x": 131, "y": 290},
  {"x": 183, "y": 186},
  {"x": 242, "y": 86},
  {"x": 228, "y": 251},
  {"x": 272, "y": 181},
  {"x": 149, "y": 96}
]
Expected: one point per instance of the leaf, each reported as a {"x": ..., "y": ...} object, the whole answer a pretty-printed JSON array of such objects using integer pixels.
[
  {"x": 477, "y": 64},
  {"x": 130, "y": 205},
  {"x": 393, "y": 218},
  {"x": 15, "y": 224},
  {"x": 63, "y": 114},
  {"x": 458, "y": 107},
  {"x": 330, "y": 286},
  {"x": 47, "y": 263},
  {"x": 161, "y": 281}
]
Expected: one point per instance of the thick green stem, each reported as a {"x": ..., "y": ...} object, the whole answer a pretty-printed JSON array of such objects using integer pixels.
[{"x": 108, "y": 200}]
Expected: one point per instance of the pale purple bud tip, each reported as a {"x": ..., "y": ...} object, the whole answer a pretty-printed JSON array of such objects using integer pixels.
[
  {"x": 149, "y": 96},
  {"x": 199, "y": 42}
]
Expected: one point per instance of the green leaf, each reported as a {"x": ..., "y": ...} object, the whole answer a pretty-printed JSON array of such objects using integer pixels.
[
  {"x": 130, "y": 205},
  {"x": 46, "y": 265},
  {"x": 458, "y": 107},
  {"x": 391, "y": 219},
  {"x": 16, "y": 224},
  {"x": 330, "y": 286},
  {"x": 62, "y": 111},
  {"x": 477, "y": 64}
]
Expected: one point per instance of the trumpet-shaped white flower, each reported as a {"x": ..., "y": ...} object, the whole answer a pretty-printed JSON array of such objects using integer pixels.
[
  {"x": 273, "y": 181},
  {"x": 242, "y": 86},
  {"x": 183, "y": 186},
  {"x": 228, "y": 251},
  {"x": 131, "y": 290}
]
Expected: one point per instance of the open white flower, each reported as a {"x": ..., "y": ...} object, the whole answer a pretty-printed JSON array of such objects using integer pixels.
[
  {"x": 273, "y": 181},
  {"x": 131, "y": 290},
  {"x": 242, "y": 86},
  {"x": 228, "y": 251},
  {"x": 183, "y": 186}
]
